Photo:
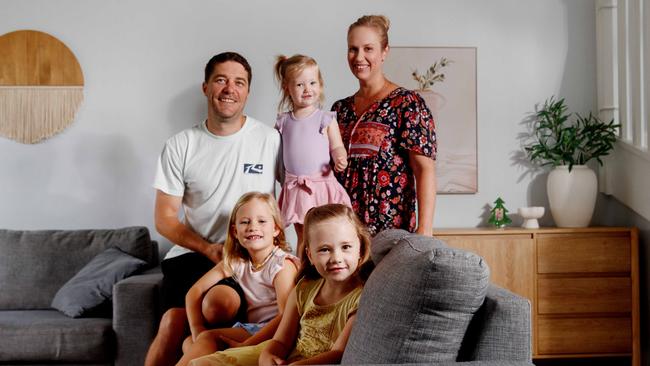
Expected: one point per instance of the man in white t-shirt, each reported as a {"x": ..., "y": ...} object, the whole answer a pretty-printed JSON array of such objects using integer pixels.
[{"x": 204, "y": 170}]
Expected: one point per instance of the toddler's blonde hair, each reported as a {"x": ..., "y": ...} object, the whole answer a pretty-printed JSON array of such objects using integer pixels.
[{"x": 287, "y": 68}]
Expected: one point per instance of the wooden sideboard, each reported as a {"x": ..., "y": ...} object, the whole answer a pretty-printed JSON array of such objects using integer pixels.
[{"x": 583, "y": 284}]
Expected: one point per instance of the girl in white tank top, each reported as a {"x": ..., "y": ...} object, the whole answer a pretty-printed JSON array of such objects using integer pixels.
[{"x": 257, "y": 256}]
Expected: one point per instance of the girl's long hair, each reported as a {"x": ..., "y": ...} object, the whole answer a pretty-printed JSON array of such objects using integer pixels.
[
  {"x": 327, "y": 212},
  {"x": 232, "y": 248}
]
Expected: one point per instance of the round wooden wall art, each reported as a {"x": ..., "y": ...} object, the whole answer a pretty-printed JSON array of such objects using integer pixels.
[{"x": 41, "y": 86}]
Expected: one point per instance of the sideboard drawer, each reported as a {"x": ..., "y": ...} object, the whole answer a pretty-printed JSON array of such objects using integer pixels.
[
  {"x": 583, "y": 253},
  {"x": 584, "y": 295},
  {"x": 584, "y": 335}
]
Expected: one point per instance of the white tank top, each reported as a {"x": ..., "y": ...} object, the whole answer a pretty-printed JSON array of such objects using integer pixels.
[{"x": 258, "y": 285}]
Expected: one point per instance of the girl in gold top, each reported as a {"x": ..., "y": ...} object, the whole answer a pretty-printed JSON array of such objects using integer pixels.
[{"x": 321, "y": 309}]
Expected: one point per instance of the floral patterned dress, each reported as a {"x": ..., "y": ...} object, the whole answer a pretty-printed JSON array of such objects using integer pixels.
[{"x": 379, "y": 178}]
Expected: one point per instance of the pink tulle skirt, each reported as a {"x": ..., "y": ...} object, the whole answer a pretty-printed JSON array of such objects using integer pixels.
[{"x": 300, "y": 193}]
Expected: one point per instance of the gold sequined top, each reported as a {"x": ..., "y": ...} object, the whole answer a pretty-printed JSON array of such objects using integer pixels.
[{"x": 320, "y": 326}]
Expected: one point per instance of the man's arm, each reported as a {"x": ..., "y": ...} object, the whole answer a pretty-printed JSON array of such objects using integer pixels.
[{"x": 168, "y": 225}]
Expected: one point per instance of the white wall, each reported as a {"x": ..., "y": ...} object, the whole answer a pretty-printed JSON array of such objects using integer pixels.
[{"x": 143, "y": 64}]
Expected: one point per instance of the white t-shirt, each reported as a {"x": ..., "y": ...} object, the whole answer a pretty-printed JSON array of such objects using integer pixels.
[{"x": 211, "y": 172}]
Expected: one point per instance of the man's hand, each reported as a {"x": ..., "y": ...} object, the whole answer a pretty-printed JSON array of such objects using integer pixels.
[{"x": 214, "y": 252}]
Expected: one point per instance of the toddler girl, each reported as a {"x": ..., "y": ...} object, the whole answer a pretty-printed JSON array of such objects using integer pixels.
[
  {"x": 256, "y": 255},
  {"x": 321, "y": 309},
  {"x": 309, "y": 136}
]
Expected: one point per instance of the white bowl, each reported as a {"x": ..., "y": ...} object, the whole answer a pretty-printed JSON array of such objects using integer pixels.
[{"x": 530, "y": 215}]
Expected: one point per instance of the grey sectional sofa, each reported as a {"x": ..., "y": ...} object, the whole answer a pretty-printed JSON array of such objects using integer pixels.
[
  {"x": 424, "y": 303},
  {"x": 35, "y": 266}
]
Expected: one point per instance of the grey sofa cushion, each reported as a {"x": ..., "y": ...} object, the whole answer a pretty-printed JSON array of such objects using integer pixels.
[
  {"x": 418, "y": 302},
  {"x": 48, "y": 336},
  {"x": 35, "y": 264},
  {"x": 500, "y": 330},
  {"x": 92, "y": 286}
]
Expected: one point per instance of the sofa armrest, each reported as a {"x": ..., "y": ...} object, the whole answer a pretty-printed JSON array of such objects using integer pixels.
[
  {"x": 500, "y": 330},
  {"x": 136, "y": 313}
]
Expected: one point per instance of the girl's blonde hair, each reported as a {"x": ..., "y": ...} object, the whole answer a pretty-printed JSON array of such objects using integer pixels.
[
  {"x": 232, "y": 248},
  {"x": 327, "y": 212},
  {"x": 287, "y": 68},
  {"x": 379, "y": 22}
]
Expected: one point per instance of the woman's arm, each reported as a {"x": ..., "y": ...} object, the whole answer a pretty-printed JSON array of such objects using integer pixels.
[
  {"x": 337, "y": 150},
  {"x": 194, "y": 298},
  {"x": 334, "y": 355},
  {"x": 285, "y": 337},
  {"x": 424, "y": 170}
]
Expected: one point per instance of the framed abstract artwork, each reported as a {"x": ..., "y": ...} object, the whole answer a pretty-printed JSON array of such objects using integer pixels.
[{"x": 445, "y": 77}]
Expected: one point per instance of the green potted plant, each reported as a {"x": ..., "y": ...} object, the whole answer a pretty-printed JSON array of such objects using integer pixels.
[
  {"x": 568, "y": 146},
  {"x": 560, "y": 142}
]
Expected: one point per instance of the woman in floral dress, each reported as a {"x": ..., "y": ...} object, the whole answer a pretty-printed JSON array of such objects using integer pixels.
[{"x": 390, "y": 138}]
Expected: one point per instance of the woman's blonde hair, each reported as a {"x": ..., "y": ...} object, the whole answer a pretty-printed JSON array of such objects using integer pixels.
[
  {"x": 327, "y": 212},
  {"x": 378, "y": 22},
  {"x": 232, "y": 248},
  {"x": 287, "y": 68}
]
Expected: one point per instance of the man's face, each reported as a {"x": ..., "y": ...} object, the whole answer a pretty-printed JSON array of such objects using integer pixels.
[{"x": 227, "y": 90}]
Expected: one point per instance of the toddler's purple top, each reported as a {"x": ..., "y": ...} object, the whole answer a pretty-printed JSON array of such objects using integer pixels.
[{"x": 305, "y": 147}]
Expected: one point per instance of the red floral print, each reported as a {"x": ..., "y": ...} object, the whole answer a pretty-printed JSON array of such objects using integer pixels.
[{"x": 379, "y": 178}]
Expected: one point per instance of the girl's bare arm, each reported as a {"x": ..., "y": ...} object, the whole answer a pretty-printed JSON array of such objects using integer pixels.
[{"x": 285, "y": 337}]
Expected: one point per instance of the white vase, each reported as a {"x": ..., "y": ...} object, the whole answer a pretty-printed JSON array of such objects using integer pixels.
[{"x": 572, "y": 195}]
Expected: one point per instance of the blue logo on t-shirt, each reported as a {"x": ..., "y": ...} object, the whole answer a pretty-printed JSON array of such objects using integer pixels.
[{"x": 253, "y": 168}]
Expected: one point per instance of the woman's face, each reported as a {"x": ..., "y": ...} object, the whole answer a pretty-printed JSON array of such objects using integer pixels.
[{"x": 365, "y": 53}]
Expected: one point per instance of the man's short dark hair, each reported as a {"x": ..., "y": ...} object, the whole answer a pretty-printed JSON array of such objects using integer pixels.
[{"x": 228, "y": 56}]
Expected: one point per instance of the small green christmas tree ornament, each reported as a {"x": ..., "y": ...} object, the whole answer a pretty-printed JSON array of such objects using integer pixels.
[{"x": 499, "y": 216}]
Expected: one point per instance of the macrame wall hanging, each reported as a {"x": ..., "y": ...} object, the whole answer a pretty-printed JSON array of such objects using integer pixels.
[{"x": 41, "y": 86}]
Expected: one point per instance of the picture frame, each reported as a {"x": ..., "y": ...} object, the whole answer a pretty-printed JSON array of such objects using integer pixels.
[{"x": 445, "y": 77}]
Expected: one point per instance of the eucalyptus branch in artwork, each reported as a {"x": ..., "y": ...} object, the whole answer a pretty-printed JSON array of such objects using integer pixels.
[{"x": 432, "y": 75}]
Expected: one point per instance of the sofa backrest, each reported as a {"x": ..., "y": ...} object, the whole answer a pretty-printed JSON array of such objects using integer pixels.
[
  {"x": 500, "y": 330},
  {"x": 34, "y": 264}
]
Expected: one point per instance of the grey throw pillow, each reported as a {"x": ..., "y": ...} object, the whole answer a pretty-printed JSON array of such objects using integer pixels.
[
  {"x": 418, "y": 302},
  {"x": 89, "y": 290}
]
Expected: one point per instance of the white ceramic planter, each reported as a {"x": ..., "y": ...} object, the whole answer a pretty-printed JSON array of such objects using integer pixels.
[{"x": 572, "y": 195}]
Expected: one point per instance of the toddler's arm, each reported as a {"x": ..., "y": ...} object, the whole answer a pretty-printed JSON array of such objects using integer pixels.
[
  {"x": 334, "y": 355},
  {"x": 337, "y": 150},
  {"x": 194, "y": 298}
]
